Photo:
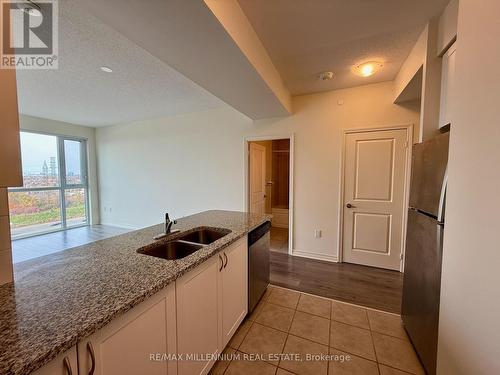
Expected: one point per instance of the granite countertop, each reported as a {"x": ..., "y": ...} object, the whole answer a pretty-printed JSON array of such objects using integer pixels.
[{"x": 58, "y": 299}]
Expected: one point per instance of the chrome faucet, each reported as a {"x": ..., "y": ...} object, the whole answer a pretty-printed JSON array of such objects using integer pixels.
[{"x": 168, "y": 227}]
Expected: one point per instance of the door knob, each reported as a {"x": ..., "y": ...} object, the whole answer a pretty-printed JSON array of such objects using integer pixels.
[{"x": 348, "y": 205}]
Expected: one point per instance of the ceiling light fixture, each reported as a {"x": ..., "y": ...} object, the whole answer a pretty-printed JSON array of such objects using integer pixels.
[
  {"x": 325, "y": 76},
  {"x": 368, "y": 68},
  {"x": 106, "y": 69}
]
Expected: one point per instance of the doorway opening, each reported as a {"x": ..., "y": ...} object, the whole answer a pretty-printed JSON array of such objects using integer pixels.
[{"x": 270, "y": 184}]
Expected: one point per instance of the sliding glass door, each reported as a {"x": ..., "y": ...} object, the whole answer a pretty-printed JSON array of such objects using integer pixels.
[{"x": 54, "y": 195}]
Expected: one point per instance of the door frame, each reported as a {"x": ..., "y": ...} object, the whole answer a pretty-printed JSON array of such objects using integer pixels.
[
  {"x": 291, "y": 137},
  {"x": 406, "y": 194}
]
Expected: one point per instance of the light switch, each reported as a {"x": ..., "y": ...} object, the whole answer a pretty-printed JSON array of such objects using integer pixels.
[{"x": 317, "y": 233}]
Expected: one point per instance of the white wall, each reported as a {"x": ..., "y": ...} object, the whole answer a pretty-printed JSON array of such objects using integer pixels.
[
  {"x": 181, "y": 164},
  {"x": 42, "y": 125},
  {"x": 469, "y": 328},
  {"x": 194, "y": 162}
]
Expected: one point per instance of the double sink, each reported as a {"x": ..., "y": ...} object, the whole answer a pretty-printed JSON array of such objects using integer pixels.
[{"x": 185, "y": 243}]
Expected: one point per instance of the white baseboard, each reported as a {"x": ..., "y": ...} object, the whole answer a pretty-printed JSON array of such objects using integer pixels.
[{"x": 318, "y": 256}]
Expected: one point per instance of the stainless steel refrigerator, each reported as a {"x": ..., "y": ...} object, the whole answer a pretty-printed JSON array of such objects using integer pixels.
[{"x": 424, "y": 246}]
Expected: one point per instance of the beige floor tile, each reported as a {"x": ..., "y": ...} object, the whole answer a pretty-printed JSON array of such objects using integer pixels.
[
  {"x": 284, "y": 297},
  {"x": 275, "y": 316},
  {"x": 221, "y": 366},
  {"x": 314, "y": 305},
  {"x": 388, "y": 324},
  {"x": 311, "y": 327},
  {"x": 267, "y": 293},
  {"x": 264, "y": 341},
  {"x": 353, "y": 315},
  {"x": 247, "y": 367},
  {"x": 352, "y": 339},
  {"x": 303, "y": 347},
  {"x": 396, "y": 353},
  {"x": 386, "y": 370},
  {"x": 240, "y": 334},
  {"x": 283, "y": 372},
  {"x": 257, "y": 310},
  {"x": 348, "y": 364}
]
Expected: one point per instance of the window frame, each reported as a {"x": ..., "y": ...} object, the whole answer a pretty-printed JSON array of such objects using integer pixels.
[{"x": 63, "y": 185}]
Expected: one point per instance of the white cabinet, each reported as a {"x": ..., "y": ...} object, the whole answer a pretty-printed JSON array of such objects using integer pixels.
[
  {"x": 179, "y": 330},
  {"x": 447, "y": 86},
  {"x": 211, "y": 304},
  {"x": 63, "y": 364},
  {"x": 136, "y": 342},
  {"x": 233, "y": 283},
  {"x": 198, "y": 317}
]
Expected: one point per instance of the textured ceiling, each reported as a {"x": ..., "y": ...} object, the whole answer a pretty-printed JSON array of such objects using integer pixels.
[
  {"x": 306, "y": 37},
  {"x": 140, "y": 87}
]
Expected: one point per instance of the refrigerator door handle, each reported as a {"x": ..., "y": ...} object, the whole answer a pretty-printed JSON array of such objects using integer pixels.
[{"x": 442, "y": 198}]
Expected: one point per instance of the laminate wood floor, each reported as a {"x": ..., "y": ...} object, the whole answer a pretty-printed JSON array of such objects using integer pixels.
[
  {"x": 44, "y": 244},
  {"x": 366, "y": 286},
  {"x": 279, "y": 240}
]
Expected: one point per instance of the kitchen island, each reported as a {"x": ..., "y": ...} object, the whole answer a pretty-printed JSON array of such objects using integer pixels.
[{"x": 58, "y": 300}]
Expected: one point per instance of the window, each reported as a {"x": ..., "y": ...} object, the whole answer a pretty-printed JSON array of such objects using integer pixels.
[{"x": 54, "y": 195}]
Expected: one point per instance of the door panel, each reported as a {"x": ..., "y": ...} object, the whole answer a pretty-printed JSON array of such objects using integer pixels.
[
  {"x": 429, "y": 160},
  {"x": 198, "y": 329},
  {"x": 374, "y": 191},
  {"x": 61, "y": 365},
  {"x": 372, "y": 232},
  {"x": 257, "y": 181},
  {"x": 234, "y": 289},
  {"x": 126, "y": 344},
  {"x": 422, "y": 285},
  {"x": 374, "y": 169}
]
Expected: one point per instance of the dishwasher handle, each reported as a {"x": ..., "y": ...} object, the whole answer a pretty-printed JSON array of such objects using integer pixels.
[{"x": 258, "y": 233}]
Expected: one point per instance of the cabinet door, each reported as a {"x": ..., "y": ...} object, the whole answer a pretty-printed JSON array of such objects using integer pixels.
[
  {"x": 197, "y": 317},
  {"x": 234, "y": 287},
  {"x": 63, "y": 364},
  {"x": 135, "y": 343},
  {"x": 10, "y": 150},
  {"x": 447, "y": 86}
]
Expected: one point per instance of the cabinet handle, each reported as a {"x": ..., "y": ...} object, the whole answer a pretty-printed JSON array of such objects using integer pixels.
[
  {"x": 225, "y": 264},
  {"x": 221, "y": 263},
  {"x": 67, "y": 366},
  {"x": 90, "y": 349}
]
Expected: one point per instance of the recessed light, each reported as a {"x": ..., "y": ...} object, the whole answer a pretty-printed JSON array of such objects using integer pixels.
[
  {"x": 106, "y": 69},
  {"x": 368, "y": 68},
  {"x": 325, "y": 76}
]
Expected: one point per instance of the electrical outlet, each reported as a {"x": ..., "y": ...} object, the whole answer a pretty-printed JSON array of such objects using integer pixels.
[{"x": 317, "y": 233}]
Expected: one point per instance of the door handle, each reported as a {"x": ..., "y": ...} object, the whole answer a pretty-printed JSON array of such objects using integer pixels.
[
  {"x": 221, "y": 263},
  {"x": 348, "y": 205},
  {"x": 225, "y": 264},
  {"x": 90, "y": 349},
  {"x": 67, "y": 366}
]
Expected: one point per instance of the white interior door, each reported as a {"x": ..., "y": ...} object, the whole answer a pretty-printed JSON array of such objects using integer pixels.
[
  {"x": 374, "y": 197},
  {"x": 257, "y": 181}
]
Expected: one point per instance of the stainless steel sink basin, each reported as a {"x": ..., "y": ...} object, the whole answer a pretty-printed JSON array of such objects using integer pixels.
[
  {"x": 170, "y": 250},
  {"x": 205, "y": 235}
]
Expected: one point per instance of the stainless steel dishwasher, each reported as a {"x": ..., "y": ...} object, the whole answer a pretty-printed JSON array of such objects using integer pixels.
[{"x": 259, "y": 241}]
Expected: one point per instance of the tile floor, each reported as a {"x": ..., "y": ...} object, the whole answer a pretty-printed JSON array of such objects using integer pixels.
[
  {"x": 357, "y": 340},
  {"x": 279, "y": 240}
]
